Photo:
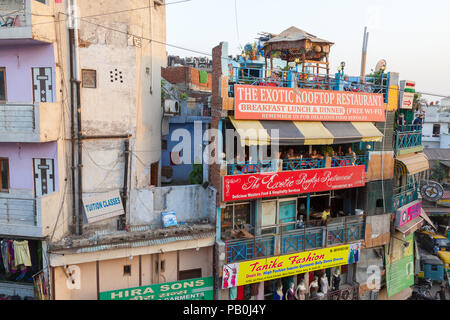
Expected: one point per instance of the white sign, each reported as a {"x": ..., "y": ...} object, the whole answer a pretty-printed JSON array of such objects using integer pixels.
[
  {"x": 104, "y": 206},
  {"x": 407, "y": 90}
]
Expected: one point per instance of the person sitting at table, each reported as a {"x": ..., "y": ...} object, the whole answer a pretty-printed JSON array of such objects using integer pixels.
[
  {"x": 290, "y": 153},
  {"x": 325, "y": 215},
  {"x": 316, "y": 155},
  {"x": 352, "y": 154},
  {"x": 339, "y": 152}
]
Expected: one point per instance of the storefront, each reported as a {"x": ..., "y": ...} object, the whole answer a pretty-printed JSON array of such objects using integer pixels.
[
  {"x": 325, "y": 274},
  {"x": 21, "y": 268}
]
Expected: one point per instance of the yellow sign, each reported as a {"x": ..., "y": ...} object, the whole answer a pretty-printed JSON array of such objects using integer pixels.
[{"x": 239, "y": 274}]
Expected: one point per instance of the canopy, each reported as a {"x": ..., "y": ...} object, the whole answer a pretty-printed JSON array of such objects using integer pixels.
[
  {"x": 411, "y": 163},
  {"x": 255, "y": 132},
  {"x": 411, "y": 226}
]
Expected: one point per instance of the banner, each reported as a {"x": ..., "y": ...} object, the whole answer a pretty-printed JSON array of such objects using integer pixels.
[
  {"x": 408, "y": 213},
  {"x": 248, "y": 272},
  {"x": 269, "y": 103},
  {"x": 399, "y": 265},
  {"x": 193, "y": 289},
  {"x": 274, "y": 184}
]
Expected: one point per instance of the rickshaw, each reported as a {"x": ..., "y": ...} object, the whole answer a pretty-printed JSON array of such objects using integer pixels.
[
  {"x": 445, "y": 257},
  {"x": 432, "y": 268}
]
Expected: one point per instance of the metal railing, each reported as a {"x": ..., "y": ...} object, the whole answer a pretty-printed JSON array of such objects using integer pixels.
[
  {"x": 305, "y": 80},
  {"x": 15, "y": 117},
  {"x": 18, "y": 211},
  {"x": 408, "y": 136},
  {"x": 349, "y": 292},
  {"x": 337, "y": 231},
  {"x": 248, "y": 249},
  {"x": 404, "y": 195},
  {"x": 295, "y": 164}
]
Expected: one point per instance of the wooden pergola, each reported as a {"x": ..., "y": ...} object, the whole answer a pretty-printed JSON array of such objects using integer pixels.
[{"x": 297, "y": 45}]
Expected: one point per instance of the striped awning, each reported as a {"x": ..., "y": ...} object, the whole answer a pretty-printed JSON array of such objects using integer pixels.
[
  {"x": 411, "y": 163},
  {"x": 255, "y": 132}
]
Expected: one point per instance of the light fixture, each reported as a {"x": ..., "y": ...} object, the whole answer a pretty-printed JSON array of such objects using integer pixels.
[{"x": 297, "y": 60}]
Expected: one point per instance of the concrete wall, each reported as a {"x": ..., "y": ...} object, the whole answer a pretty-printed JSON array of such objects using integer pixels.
[
  {"x": 21, "y": 156},
  {"x": 190, "y": 203},
  {"x": 18, "y": 61},
  {"x": 111, "y": 276}
]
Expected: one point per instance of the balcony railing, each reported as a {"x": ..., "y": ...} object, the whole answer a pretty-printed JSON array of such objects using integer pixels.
[
  {"x": 16, "y": 211},
  {"x": 295, "y": 164},
  {"x": 291, "y": 79},
  {"x": 248, "y": 249},
  {"x": 16, "y": 117},
  {"x": 408, "y": 136},
  {"x": 404, "y": 195},
  {"x": 338, "y": 231}
]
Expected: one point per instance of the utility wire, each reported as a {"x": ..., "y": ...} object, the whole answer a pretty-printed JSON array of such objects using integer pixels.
[
  {"x": 103, "y": 14},
  {"x": 237, "y": 24}
]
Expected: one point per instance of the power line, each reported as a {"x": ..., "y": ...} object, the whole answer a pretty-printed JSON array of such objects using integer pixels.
[{"x": 103, "y": 14}]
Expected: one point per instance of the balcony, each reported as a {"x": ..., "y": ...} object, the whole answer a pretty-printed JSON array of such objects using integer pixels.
[
  {"x": 408, "y": 139},
  {"x": 293, "y": 79},
  {"x": 337, "y": 232},
  {"x": 404, "y": 195},
  {"x": 21, "y": 215},
  {"x": 22, "y": 122},
  {"x": 26, "y": 20},
  {"x": 296, "y": 164}
]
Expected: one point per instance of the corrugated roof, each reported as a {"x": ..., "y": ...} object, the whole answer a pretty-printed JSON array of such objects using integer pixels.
[
  {"x": 296, "y": 34},
  {"x": 437, "y": 154},
  {"x": 145, "y": 243}
]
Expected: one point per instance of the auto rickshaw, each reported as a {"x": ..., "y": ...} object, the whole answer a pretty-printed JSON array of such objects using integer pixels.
[
  {"x": 445, "y": 257},
  {"x": 432, "y": 268}
]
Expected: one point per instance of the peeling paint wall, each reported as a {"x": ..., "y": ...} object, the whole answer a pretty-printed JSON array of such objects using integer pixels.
[{"x": 190, "y": 203}]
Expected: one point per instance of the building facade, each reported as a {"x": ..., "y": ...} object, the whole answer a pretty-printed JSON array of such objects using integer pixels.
[{"x": 269, "y": 210}]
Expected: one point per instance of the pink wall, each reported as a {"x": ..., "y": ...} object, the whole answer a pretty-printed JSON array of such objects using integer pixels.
[
  {"x": 18, "y": 61},
  {"x": 20, "y": 156}
]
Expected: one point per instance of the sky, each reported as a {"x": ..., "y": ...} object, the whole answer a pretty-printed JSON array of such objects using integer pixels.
[{"x": 413, "y": 36}]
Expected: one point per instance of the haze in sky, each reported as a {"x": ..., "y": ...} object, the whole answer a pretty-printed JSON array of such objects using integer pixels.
[{"x": 413, "y": 36}]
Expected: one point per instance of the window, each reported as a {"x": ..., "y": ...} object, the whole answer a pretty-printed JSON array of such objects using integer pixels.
[
  {"x": 190, "y": 274},
  {"x": 235, "y": 216},
  {"x": 4, "y": 175},
  {"x": 436, "y": 130},
  {"x": 89, "y": 78},
  {"x": 127, "y": 270},
  {"x": 2, "y": 84}
]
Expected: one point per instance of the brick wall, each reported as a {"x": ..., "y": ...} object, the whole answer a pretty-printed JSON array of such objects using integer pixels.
[
  {"x": 186, "y": 75},
  {"x": 216, "y": 114}
]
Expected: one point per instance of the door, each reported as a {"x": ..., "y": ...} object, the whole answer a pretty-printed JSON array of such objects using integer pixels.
[
  {"x": 288, "y": 213},
  {"x": 44, "y": 177},
  {"x": 42, "y": 85}
]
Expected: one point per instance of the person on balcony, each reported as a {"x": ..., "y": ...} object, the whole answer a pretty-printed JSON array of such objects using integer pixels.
[
  {"x": 401, "y": 122},
  {"x": 350, "y": 153},
  {"x": 316, "y": 155},
  {"x": 340, "y": 152},
  {"x": 291, "y": 154},
  {"x": 325, "y": 215},
  {"x": 418, "y": 122}
]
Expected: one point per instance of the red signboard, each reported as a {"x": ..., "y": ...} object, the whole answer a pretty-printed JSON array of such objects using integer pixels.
[
  {"x": 269, "y": 103},
  {"x": 274, "y": 184}
]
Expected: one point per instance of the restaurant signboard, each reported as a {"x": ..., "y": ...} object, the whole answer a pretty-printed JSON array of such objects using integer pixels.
[
  {"x": 248, "y": 272},
  {"x": 275, "y": 184},
  {"x": 269, "y": 103}
]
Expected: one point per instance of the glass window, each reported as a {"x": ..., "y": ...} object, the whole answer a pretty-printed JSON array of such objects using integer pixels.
[
  {"x": 235, "y": 216},
  {"x": 241, "y": 214},
  {"x": 2, "y": 84},
  {"x": 4, "y": 175}
]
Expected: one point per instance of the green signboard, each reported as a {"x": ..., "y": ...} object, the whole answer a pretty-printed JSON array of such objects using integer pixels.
[
  {"x": 399, "y": 265},
  {"x": 194, "y": 289}
]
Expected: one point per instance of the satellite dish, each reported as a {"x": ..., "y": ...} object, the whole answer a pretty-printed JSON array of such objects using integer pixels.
[{"x": 381, "y": 65}]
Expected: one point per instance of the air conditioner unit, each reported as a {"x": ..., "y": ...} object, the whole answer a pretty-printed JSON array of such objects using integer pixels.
[
  {"x": 171, "y": 107},
  {"x": 203, "y": 60},
  {"x": 189, "y": 60}
]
